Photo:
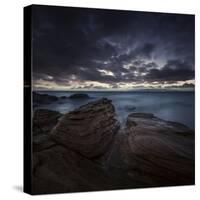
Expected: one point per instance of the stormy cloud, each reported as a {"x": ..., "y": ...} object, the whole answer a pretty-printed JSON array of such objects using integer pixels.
[{"x": 84, "y": 48}]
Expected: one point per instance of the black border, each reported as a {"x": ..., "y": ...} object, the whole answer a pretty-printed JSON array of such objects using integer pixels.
[{"x": 27, "y": 177}]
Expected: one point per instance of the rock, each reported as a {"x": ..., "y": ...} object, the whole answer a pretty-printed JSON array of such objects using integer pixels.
[
  {"x": 89, "y": 129},
  {"x": 79, "y": 96},
  {"x": 159, "y": 152},
  {"x": 41, "y": 142},
  {"x": 58, "y": 169},
  {"x": 62, "y": 167},
  {"x": 63, "y": 97},
  {"x": 84, "y": 150},
  {"x": 44, "y": 120},
  {"x": 43, "y": 98}
]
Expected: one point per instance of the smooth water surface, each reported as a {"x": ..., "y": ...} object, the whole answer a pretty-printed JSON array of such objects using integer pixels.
[{"x": 174, "y": 106}]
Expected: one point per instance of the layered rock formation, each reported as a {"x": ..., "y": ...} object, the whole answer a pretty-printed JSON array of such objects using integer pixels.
[
  {"x": 89, "y": 129},
  {"x": 161, "y": 151},
  {"x": 84, "y": 150}
]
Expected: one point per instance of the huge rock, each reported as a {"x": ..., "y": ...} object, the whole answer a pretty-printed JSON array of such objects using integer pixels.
[
  {"x": 89, "y": 129},
  {"x": 159, "y": 152}
]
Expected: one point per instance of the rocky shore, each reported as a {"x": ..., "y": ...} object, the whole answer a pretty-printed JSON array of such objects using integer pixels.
[
  {"x": 87, "y": 150},
  {"x": 43, "y": 98},
  {"x": 40, "y": 99}
]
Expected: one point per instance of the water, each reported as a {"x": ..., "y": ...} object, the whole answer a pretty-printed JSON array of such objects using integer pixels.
[{"x": 174, "y": 106}]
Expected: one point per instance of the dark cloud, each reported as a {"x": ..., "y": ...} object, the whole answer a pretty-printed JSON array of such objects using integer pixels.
[
  {"x": 174, "y": 70},
  {"x": 75, "y": 43},
  {"x": 178, "y": 64},
  {"x": 146, "y": 50}
]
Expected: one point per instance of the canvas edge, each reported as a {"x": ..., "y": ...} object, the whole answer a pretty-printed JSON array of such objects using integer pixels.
[{"x": 27, "y": 92}]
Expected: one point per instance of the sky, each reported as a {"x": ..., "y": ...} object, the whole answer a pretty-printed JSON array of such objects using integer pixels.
[{"x": 97, "y": 49}]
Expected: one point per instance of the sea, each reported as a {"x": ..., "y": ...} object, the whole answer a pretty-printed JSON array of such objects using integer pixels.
[{"x": 176, "y": 106}]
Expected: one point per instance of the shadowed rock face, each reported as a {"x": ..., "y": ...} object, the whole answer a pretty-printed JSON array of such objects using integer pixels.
[
  {"x": 84, "y": 150},
  {"x": 59, "y": 169},
  {"x": 44, "y": 120},
  {"x": 89, "y": 129}
]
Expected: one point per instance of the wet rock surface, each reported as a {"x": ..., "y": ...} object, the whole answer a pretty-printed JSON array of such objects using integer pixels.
[{"x": 86, "y": 150}]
